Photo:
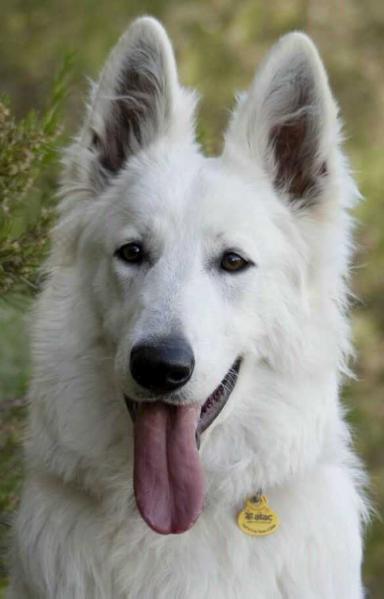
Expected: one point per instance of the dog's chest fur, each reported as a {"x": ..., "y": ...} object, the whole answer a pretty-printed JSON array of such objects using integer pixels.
[{"x": 113, "y": 554}]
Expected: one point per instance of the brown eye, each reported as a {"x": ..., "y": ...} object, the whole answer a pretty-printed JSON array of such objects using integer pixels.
[
  {"x": 131, "y": 252},
  {"x": 232, "y": 262}
]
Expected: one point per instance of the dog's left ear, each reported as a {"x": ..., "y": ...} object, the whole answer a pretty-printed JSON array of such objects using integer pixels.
[
  {"x": 136, "y": 101},
  {"x": 287, "y": 123}
]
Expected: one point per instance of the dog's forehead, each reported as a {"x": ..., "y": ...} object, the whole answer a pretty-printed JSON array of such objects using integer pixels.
[{"x": 191, "y": 190}]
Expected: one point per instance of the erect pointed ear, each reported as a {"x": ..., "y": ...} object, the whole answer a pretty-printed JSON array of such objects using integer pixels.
[
  {"x": 287, "y": 122},
  {"x": 136, "y": 100}
]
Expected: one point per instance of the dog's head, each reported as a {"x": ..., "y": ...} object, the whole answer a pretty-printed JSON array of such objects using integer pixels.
[{"x": 198, "y": 268}]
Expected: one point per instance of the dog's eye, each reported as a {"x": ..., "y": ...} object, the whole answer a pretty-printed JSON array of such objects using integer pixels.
[
  {"x": 232, "y": 262},
  {"x": 131, "y": 252}
]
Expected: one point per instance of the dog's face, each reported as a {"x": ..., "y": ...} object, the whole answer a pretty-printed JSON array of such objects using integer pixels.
[
  {"x": 188, "y": 258},
  {"x": 199, "y": 267}
]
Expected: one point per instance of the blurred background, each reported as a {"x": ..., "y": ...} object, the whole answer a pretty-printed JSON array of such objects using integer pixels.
[{"x": 47, "y": 51}]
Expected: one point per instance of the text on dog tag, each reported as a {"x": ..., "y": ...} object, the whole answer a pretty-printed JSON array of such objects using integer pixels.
[{"x": 257, "y": 518}]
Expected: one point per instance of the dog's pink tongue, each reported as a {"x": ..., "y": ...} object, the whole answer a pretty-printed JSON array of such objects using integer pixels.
[{"x": 168, "y": 476}]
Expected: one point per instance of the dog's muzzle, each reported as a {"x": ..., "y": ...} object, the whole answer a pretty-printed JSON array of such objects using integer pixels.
[{"x": 168, "y": 474}]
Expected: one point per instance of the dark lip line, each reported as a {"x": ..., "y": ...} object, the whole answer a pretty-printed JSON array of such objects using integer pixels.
[
  {"x": 218, "y": 399},
  {"x": 212, "y": 406}
]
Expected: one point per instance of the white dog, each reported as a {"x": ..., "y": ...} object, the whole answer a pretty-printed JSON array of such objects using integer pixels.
[{"x": 190, "y": 345}]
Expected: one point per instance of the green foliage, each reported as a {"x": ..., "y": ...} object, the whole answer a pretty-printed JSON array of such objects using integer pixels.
[
  {"x": 13, "y": 378},
  {"x": 11, "y": 468},
  {"x": 27, "y": 147}
]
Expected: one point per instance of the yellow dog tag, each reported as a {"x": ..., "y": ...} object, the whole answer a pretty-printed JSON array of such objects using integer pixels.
[{"x": 256, "y": 518}]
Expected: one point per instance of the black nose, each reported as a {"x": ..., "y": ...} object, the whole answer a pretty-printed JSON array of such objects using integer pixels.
[{"x": 162, "y": 366}]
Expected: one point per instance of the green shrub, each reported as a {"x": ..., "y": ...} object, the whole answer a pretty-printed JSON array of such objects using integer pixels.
[{"x": 27, "y": 147}]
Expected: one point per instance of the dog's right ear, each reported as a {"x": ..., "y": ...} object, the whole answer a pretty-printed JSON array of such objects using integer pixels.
[{"x": 136, "y": 100}]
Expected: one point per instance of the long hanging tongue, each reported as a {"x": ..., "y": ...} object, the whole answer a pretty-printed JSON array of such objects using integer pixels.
[{"x": 168, "y": 476}]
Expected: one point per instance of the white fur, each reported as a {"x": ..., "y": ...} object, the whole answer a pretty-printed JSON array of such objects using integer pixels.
[{"x": 78, "y": 533}]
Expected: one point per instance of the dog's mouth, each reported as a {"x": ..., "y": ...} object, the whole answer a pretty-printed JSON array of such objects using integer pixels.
[
  {"x": 212, "y": 406},
  {"x": 168, "y": 475}
]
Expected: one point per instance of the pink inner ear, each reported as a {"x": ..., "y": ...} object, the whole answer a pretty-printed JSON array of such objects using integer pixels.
[
  {"x": 294, "y": 145},
  {"x": 133, "y": 113}
]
